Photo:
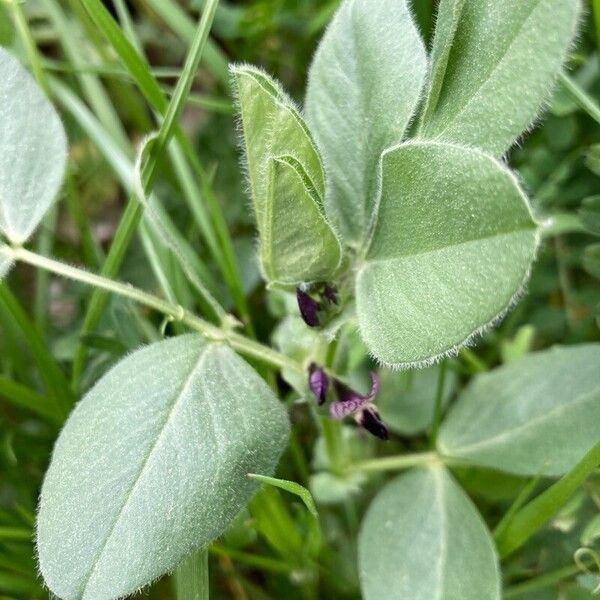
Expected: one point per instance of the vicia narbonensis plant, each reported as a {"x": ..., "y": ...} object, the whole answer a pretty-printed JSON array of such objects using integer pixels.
[{"x": 385, "y": 204}]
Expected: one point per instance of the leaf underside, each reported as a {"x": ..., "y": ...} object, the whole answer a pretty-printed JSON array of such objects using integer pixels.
[
  {"x": 153, "y": 464},
  {"x": 33, "y": 151},
  {"x": 422, "y": 538},
  {"x": 452, "y": 246},
  {"x": 537, "y": 415}
]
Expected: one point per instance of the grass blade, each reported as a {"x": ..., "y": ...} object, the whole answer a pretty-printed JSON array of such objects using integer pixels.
[{"x": 530, "y": 519}]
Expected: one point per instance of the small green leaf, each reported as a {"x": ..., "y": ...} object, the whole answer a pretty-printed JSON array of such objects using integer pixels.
[
  {"x": 422, "y": 538},
  {"x": 297, "y": 243},
  {"x": 451, "y": 249},
  {"x": 406, "y": 399},
  {"x": 364, "y": 86},
  {"x": 33, "y": 151},
  {"x": 589, "y": 213},
  {"x": 591, "y": 260},
  {"x": 287, "y": 183},
  {"x": 536, "y": 415},
  {"x": 152, "y": 465},
  {"x": 292, "y": 487},
  {"x": 493, "y": 67}
]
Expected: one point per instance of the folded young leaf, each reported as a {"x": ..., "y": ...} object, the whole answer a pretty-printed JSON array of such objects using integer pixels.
[
  {"x": 33, "y": 151},
  {"x": 452, "y": 246},
  {"x": 422, "y": 538},
  {"x": 536, "y": 415},
  {"x": 153, "y": 464},
  {"x": 286, "y": 183},
  {"x": 297, "y": 243},
  {"x": 364, "y": 85},
  {"x": 494, "y": 64}
]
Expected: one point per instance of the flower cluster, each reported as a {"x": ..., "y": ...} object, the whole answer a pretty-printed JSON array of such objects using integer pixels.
[{"x": 348, "y": 401}]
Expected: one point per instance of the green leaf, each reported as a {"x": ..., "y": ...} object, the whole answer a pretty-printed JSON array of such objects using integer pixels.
[
  {"x": 406, "y": 399},
  {"x": 297, "y": 243},
  {"x": 493, "y": 67},
  {"x": 292, "y": 487},
  {"x": 33, "y": 151},
  {"x": 451, "y": 249},
  {"x": 287, "y": 183},
  {"x": 591, "y": 260},
  {"x": 422, "y": 538},
  {"x": 363, "y": 88},
  {"x": 152, "y": 465},
  {"x": 536, "y": 415},
  {"x": 592, "y": 160}
]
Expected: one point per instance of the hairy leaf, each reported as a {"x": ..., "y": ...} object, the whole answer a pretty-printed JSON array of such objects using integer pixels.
[
  {"x": 452, "y": 246},
  {"x": 364, "y": 86},
  {"x": 153, "y": 464},
  {"x": 422, "y": 538},
  {"x": 286, "y": 181},
  {"x": 297, "y": 243},
  {"x": 536, "y": 415},
  {"x": 494, "y": 64},
  {"x": 33, "y": 151},
  {"x": 406, "y": 399}
]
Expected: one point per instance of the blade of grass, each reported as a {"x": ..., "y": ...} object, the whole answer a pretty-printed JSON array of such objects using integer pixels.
[
  {"x": 586, "y": 102},
  {"x": 139, "y": 70},
  {"x": 92, "y": 89},
  {"x": 531, "y": 518},
  {"x": 133, "y": 211},
  {"x": 191, "y": 577},
  {"x": 53, "y": 378},
  {"x": 176, "y": 18},
  {"x": 24, "y": 397},
  {"x": 123, "y": 168},
  {"x": 596, "y": 9}
]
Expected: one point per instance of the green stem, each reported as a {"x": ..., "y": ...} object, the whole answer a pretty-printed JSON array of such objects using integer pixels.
[
  {"x": 539, "y": 583},
  {"x": 581, "y": 97},
  {"x": 240, "y": 343},
  {"x": 437, "y": 412},
  {"x": 191, "y": 577},
  {"x": 398, "y": 463}
]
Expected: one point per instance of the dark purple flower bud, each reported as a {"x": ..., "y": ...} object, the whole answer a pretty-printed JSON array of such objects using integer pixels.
[
  {"x": 309, "y": 308},
  {"x": 369, "y": 419},
  {"x": 330, "y": 294},
  {"x": 318, "y": 383},
  {"x": 350, "y": 402}
]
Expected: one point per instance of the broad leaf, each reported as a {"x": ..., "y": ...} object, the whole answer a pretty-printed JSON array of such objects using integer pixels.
[
  {"x": 494, "y": 64},
  {"x": 422, "y": 538},
  {"x": 451, "y": 249},
  {"x": 33, "y": 151},
  {"x": 364, "y": 86},
  {"x": 406, "y": 399},
  {"x": 286, "y": 183},
  {"x": 297, "y": 243},
  {"x": 536, "y": 415},
  {"x": 153, "y": 464}
]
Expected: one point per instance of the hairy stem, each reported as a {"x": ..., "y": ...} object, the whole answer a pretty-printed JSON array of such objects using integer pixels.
[
  {"x": 398, "y": 463},
  {"x": 176, "y": 312}
]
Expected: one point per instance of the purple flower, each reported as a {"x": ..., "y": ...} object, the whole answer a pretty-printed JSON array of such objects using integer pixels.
[
  {"x": 350, "y": 402},
  {"x": 318, "y": 383},
  {"x": 309, "y": 308},
  {"x": 330, "y": 294}
]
